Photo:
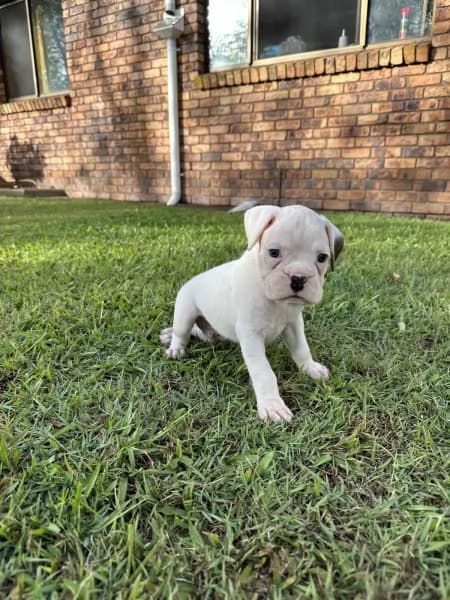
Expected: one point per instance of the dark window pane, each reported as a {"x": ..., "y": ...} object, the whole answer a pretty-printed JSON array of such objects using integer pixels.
[
  {"x": 295, "y": 26},
  {"x": 228, "y": 23},
  {"x": 399, "y": 19},
  {"x": 16, "y": 50}
]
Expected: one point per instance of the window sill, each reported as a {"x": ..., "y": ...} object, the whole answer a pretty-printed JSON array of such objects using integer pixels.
[
  {"x": 33, "y": 104},
  {"x": 373, "y": 58}
]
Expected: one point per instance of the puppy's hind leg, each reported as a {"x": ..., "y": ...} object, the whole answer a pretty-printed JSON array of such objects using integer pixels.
[
  {"x": 201, "y": 330},
  {"x": 204, "y": 331},
  {"x": 165, "y": 336},
  {"x": 185, "y": 315}
]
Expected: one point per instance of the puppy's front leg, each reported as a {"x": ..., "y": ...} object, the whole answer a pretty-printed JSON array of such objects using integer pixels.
[
  {"x": 295, "y": 338},
  {"x": 270, "y": 404}
]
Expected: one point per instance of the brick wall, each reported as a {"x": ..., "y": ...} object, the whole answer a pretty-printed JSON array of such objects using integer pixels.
[
  {"x": 363, "y": 131},
  {"x": 356, "y": 131}
]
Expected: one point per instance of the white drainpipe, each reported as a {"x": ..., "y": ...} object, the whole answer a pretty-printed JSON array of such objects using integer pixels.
[
  {"x": 174, "y": 132},
  {"x": 171, "y": 27}
]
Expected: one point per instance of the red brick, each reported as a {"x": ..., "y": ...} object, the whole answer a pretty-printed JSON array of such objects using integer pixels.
[
  {"x": 373, "y": 59},
  {"x": 281, "y": 71},
  {"x": 442, "y": 12},
  {"x": 300, "y": 69},
  {"x": 395, "y": 206},
  {"x": 290, "y": 70},
  {"x": 356, "y": 153},
  {"x": 409, "y": 54},
  {"x": 385, "y": 57},
  {"x": 427, "y": 207},
  {"x": 400, "y": 163},
  {"x": 350, "y": 62},
  {"x": 309, "y": 68},
  {"x": 340, "y": 64},
  {"x": 440, "y": 174},
  {"x": 341, "y": 143},
  {"x": 331, "y": 204},
  {"x": 272, "y": 72},
  {"x": 357, "y": 109},
  {"x": 330, "y": 66},
  {"x": 351, "y": 195},
  {"x": 397, "y": 55},
  {"x": 319, "y": 66},
  {"x": 325, "y": 174},
  {"x": 347, "y": 78},
  {"x": 423, "y": 52},
  {"x": 334, "y": 90},
  {"x": 427, "y": 80}
]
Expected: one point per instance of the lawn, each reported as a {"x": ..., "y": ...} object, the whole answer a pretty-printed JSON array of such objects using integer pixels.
[{"x": 126, "y": 476}]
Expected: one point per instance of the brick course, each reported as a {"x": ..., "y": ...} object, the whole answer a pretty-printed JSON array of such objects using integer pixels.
[{"x": 357, "y": 130}]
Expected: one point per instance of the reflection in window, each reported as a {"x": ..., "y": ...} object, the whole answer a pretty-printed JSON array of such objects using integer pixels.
[
  {"x": 399, "y": 19},
  {"x": 48, "y": 34},
  {"x": 32, "y": 47},
  {"x": 228, "y": 26}
]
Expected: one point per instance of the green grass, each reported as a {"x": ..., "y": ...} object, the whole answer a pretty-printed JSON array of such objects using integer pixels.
[{"x": 123, "y": 475}]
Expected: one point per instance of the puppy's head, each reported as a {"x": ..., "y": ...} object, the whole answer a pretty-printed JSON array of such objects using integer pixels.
[{"x": 295, "y": 248}]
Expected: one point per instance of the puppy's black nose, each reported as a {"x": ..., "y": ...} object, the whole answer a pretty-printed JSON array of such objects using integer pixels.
[{"x": 298, "y": 283}]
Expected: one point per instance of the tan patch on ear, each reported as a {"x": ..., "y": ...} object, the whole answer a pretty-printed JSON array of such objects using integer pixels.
[
  {"x": 335, "y": 241},
  {"x": 267, "y": 226},
  {"x": 271, "y": 222}
]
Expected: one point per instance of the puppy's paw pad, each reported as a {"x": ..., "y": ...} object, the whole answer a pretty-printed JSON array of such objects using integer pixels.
[
  {"x": 274, "y": 410},
  {"x": 315, "y": 370},
  {"x": 175, "y": 352},
  {"x": 165, "y": 336}
]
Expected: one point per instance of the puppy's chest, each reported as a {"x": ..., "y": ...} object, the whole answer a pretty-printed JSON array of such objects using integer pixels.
[{"x": 274, "y": 322}]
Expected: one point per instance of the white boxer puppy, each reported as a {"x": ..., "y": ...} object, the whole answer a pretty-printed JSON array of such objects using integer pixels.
[{"x": 261, "y": 295}]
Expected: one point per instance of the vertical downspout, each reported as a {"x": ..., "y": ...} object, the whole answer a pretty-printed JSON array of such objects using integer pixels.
[{"x": 172, "y": 100}]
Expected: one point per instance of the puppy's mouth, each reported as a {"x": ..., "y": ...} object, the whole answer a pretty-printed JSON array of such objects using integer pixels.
[
  {"x": 303, "y": 298},
  {"x": 295, "y": 299},
  {"x": 288, "y": 297}
]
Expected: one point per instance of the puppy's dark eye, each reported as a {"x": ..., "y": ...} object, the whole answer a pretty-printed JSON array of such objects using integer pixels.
[
  {"x": 321, "y": 258},
  {"x": 274, "y": 253}
]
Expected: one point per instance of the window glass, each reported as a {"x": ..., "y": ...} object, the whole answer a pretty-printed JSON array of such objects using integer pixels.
[
  {"x": 399, "y": 19},
  {"x": 48, "y": 38},
  {"x": 295, "y": 26},
  {"x": 16, "y": 51},
  {"x": 228, "y": 27}
]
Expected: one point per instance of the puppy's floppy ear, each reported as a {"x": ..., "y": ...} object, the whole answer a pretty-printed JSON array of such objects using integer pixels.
[
  {"x": 257, "y": 220},
  {"x": 335, "y": 240}
]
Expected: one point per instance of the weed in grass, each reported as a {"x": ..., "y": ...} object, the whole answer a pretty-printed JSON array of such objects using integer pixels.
[{"x": 126, "y": 476}]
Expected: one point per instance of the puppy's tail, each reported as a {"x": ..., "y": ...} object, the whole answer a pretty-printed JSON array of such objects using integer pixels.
[{"x": 243, "y": 206}]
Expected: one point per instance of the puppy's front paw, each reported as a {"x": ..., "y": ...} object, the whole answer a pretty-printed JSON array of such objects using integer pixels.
[
  {"x": 274, "y": 410},
  {"x": 315, "y": 370},
  {"x": 177, "y": 352}
]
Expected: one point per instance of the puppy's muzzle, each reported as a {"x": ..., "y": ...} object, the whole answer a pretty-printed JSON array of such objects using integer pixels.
[{"x": 298, "y": 283}]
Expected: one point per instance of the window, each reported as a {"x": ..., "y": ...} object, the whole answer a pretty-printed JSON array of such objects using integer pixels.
[
  {"x": 32, "y": 47},
  {"x": 242, "y": 32}
]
